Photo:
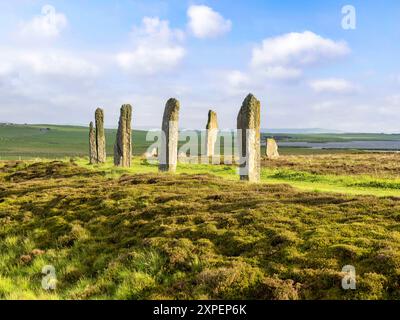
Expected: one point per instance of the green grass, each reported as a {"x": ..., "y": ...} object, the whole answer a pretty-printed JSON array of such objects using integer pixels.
[
  {"x": 28, "y": 142},
  {"x": 355, "y": 185},
  {"x": 112, "y": 235},
  {"x": 117, "y": 233},
  {"x": 346, "y": 184}
]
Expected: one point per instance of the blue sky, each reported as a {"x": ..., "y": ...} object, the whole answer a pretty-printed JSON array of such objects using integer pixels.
[{"x": 59, "y": 60}]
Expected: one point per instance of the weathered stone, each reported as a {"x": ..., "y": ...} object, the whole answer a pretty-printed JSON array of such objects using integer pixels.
[
  {"x": 123, "y": 143},
  {"x": 248, "y": 125},
  {"x": 169, "y": 140},
  {"x": 100, "y": 136},
  {"x": 211, "y": 133},
  {"x": 92, "y": 144},
  {"x": 271, "y": 150}
]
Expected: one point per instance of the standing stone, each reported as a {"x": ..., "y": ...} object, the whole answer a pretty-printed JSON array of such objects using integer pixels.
[
  {"x": 211, "y": 133},
  {"x": 169, "y": 141},
  {"x": 271, "y": 150},
  {"x": 248, "y": 125},
  {"x": 100, "y": 136},
  {"x": 123, "y": 143},
  {"x": 92, "y": 144}
]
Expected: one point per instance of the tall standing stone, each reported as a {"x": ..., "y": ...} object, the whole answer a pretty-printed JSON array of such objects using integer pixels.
[
  {"x": 211, "y": 133},
  {"x": 123, "y": 143},
  {"x": 92, "y": 144},
  {"x": 271, "y": 149},
  {"x": 248, "y": 125},
  {"x": 169, "y": 140},
  {"x": 100, "y": 136}
]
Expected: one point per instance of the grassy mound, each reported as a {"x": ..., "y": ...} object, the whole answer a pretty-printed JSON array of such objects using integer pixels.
[
  {"x": 379, "y": 165},
  {"x": 151, "y": 236}
]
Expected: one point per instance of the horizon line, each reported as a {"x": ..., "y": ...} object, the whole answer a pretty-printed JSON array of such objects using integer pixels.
[{"x": 265, "y": 130}]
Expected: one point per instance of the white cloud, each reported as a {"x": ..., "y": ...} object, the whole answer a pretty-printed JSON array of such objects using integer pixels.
[
  {"x": 59, "y": 63},
  {"x": 284, "y": 58},
  {"x": 258, "y": 78},
  {"x": 327, "y": 105},
  {"x": 393, "y": 100},
  {"x": 281, "y": 73},
  {"x": 144, "y": 60},
  {"x": 5, "y": 68},
  {"x": 33, "y": 59},
  {"x": 297, "y": 50},
  {"x": 390, "y": 106},
  {"x": 48, "y": 25},
  {"x": 239, "y": 82},
  {"x": 333, "y": 85},
  {"x": 204, "y": 22},
  {"x": 237, "y": 78},
  {"x": 155, "y": 30},
  {"x": 157, "y": 48},
  {"x": 46, "y": 63}
]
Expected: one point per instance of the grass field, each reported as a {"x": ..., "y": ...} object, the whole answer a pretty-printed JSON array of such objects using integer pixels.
[
  {"x": 358, "y": 174},
  {"x": 132, "y": 233},
  {"x": 110, "y": 235},
  {"x": 35, "y": 141}
]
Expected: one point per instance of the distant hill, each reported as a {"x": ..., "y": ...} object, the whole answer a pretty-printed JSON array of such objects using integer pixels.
[
  {"x": 301, "y": 131},
  {"x": 55, "y": 141}
]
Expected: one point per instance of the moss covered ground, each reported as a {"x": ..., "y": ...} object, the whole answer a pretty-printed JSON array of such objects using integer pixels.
[{"x": 136, "y": 234}]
